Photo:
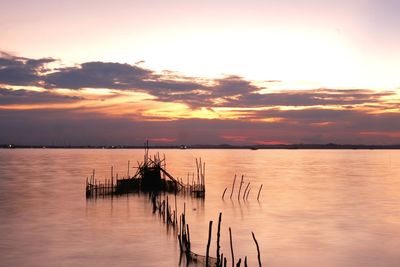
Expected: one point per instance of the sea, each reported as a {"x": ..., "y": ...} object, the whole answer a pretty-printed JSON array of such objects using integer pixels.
[{"x": 328, "y": 208}]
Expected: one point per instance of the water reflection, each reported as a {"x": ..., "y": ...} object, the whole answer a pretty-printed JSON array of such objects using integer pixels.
[{"x": 319, "y": 208}]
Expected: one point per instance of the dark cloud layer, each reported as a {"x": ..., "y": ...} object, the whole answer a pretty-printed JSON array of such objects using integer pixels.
[
  {"x": 231, "y": 91},
  {"x": 97, "y": 75},
  {"x": 310, "y": 98},
  {"x": 20, "y": 70},
  {"x": 314, "y": 116},
  {"x": 22, "y": 96}
]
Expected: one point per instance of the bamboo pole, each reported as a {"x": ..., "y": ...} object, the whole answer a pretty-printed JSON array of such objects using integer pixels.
[
  {"x": 230, "y": 240},
  {"x": 224, "y": 192},
  {"x": 244, "y": 193},
  {"x": 176, "y": 211},
  {"x": 188, "y": 237},
  {"x": 218, "y": 237},
  {"x": 208, "y": 242},
  {"x": 233, "y": 185},
  {"x": 240, "y": 188},
  {"x": 167, "y": 210},
  {"x": 258, "y": 250},
  {"x": 259, "y": 191},
  {"x": 197, "y": 168},
  {"x": 204, "y": 177},
  {"x": 248, "y": 192}
]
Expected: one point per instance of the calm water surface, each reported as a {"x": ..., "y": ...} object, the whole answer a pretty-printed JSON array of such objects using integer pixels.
[{"x": 337, "y": 208}]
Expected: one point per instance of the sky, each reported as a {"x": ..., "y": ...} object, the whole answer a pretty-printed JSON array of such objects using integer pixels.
[{"x": 199, "y": 72}]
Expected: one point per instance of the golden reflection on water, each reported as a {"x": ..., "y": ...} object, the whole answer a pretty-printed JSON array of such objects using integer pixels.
[{"x": 317, "y": 208}]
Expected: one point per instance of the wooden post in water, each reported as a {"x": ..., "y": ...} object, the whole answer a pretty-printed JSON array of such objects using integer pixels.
[
  {"x": 176, "y": 212},
  {"x": 224, "y": 192},
  {"x": 188, "y": 236},
  {"x": 240, "y": 188},
  {"x": 244, "y": 193},
  {"x": 233, "y": 185},
  {"x": 248, "y": 192},
  {"x": 230, "y": 240},
  {"x": 204, "y": 177},
  {"x": 197, "y": 168},
  {"x": 258, "y": 250},
  {"x": 218, "y": 238},
  {"x": 208, "y": 242},
  {"x": 259, "y": 191},
  {"x": 167, "y": 210}
]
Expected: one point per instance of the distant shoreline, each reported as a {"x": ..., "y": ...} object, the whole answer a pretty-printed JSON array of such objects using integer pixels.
[{"x": 222, "y": 146}]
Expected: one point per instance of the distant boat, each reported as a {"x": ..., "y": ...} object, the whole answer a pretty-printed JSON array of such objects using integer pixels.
[
  {"x": 254, "y": 148},
  {"x": 183, "y": 147}
]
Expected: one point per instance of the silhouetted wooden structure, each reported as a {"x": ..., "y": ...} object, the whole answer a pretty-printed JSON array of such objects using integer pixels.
[{"x": 151, "y": 176}]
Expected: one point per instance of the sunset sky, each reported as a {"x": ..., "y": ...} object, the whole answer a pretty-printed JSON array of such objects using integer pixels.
[{"x": 199, "y": 72}]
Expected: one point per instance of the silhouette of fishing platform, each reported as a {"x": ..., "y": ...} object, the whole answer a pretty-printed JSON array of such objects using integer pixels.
[{"x": 151, "y": 176}]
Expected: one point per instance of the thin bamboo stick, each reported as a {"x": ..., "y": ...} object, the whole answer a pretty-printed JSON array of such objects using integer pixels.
[
  {"x": 244, "y": 193},
  {"x": 248, "y": 192},
  {"x": 259, "y": 191},
  {"x": 218, "y": 238},
  {"x": 230, "y": 240},
  {"x": 233, "y": 185},
  {"x": 258, "y": 250},
  {"x": 240, "y": 188},
  {"x": 224, "y": 192},
  {"x": 208, "y": 242}
]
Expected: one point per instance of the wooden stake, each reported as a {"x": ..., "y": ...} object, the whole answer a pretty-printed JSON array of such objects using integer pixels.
[
  {"x": 240, "y": 188},
  {"x": 208, "y": 243},
  {"x": 259, "y": 191},
  {"x": 258, "y": 250},
  {"x": 244, "y": 193},
  {"x": 233, "y": 185},
  {"x": 248, "y": 192},
  {"x": 188, "y": 237},
  {"x": 230, "y": 239},
  {"x": 218, "y": 237},
  {"x": 204, "y": 177},
  {"x": 224, "y": 192}
]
